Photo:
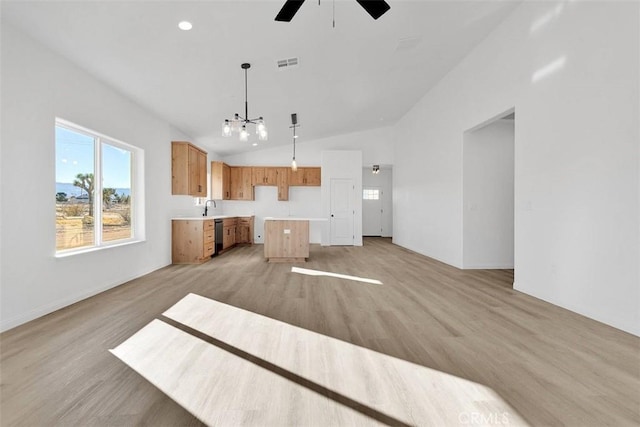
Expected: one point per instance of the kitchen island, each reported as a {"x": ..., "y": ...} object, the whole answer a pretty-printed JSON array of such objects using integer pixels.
[{"x": 287, "y": 239}]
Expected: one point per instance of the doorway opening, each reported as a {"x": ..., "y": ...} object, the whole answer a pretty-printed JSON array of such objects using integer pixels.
[
  {"x": 377, "y": 204},
  {"x": 488, "y": 194}
]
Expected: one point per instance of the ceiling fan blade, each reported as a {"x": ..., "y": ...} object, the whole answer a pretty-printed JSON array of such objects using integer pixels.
[
  {"x": 375, "y": 8},
  {"x": 289, "y": 10}
]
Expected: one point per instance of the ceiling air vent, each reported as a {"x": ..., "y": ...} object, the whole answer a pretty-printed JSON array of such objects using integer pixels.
[{"x": 284, "y": 64}]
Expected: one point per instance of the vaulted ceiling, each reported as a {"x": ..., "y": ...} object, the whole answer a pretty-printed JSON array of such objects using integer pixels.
[{"x": 357, "y": 75}]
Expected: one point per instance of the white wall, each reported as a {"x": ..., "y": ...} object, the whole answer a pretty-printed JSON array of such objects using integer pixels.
[
  {"x": 488, "y": 163},
  {"x": 571, "y": 69},
  {"x": 37, "y": 87},
  {"x": 303, "y": 202},
  {"x": 382, "y": 180},
  {"x": 374, "y": 144}
]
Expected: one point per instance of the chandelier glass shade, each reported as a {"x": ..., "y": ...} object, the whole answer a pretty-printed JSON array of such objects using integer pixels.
[{"x": 239, "y": 123}]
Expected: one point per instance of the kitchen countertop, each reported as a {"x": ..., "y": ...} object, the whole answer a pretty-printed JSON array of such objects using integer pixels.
[{"x": 202, "y": 218}]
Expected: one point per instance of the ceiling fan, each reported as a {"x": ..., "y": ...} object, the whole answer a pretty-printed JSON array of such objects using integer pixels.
[{"x": 375, "y": 8}]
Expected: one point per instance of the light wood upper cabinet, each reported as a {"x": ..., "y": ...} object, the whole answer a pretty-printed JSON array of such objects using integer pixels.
[
  {"x": 188, "y": 169},
  {"x": 264, "y": 176},
  {"x": 297, "y": 177},
  {"x": 241, "y": 188},
  {"x": 312, "y": 176},
  {"x": 220, "y": 181},
  {"x": 282, "y": 178},
  {"x": 237, "y": 182},
  {"x": 305, "y": 176}
]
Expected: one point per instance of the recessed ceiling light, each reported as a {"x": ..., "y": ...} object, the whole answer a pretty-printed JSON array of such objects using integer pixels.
[
  {"x": 185, "y": 25},
  {"x": 255, "y": 144}
]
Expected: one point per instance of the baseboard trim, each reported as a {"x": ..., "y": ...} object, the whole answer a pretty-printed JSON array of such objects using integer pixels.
[
  {"x": 488, "y": 267},
  {"x": 61, "y": 303},
  {"x": 628, "y": 327}
]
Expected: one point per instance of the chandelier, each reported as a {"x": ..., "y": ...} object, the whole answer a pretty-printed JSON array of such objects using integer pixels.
[{"x": 239, "y": 124}]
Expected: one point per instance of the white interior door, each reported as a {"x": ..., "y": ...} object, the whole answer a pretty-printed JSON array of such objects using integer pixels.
[
  {"x": 371, "y": 211},
  {"x": 341, "y": 223}
]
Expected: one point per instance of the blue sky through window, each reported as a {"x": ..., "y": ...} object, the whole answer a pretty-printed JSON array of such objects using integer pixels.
[
  {"x": 116, "y": 167},
  {"x": 75, "y": 154}
]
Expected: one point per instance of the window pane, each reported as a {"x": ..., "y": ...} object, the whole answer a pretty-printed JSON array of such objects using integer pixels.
[
  {"x": 370, "y": 194},
  {"x": 116, "y": 193},
  {"x": 74, "y": 189}
]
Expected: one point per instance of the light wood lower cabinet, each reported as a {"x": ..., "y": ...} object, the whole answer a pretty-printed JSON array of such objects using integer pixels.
[
  {"x": 229, "y": 229},
  {"x": 244, "y": 230},
  {"x": 193, "y": 241}
]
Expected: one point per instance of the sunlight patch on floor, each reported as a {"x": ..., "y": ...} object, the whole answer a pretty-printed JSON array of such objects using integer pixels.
[
  {"x": 337, "y": 275},
  {"x": 245, "y": 368}
]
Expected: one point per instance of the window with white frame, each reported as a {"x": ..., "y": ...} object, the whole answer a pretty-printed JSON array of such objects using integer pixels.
[
  {"x": 96, "y": 197},
  {"x": 370, "y": 194}
]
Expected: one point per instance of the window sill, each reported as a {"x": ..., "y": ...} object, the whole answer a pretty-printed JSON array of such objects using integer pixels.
[{"x": 72, "y": 252}]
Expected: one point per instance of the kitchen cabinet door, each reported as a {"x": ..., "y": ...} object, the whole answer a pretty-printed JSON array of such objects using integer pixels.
[
  {"x": 188, "y": 169},
  {"x": 220, "y": 181}
]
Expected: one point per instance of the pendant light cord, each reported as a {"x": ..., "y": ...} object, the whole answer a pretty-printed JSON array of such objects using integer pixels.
[{"x": 246, "y": 103}]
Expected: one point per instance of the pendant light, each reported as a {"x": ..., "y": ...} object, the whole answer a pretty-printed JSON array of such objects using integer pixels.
[
  {"x": 294, "y": 125},
  {"x": 239, "y": 124}
]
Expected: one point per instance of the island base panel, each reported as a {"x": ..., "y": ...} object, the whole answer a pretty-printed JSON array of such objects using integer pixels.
[{"x": 286, "y": 240}]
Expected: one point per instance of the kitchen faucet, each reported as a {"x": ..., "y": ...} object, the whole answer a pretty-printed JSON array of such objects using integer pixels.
[{"x": 206, "y": 206}]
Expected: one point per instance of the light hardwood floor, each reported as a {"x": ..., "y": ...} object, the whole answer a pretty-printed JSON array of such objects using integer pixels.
[{"x": 552, "y": 366}]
